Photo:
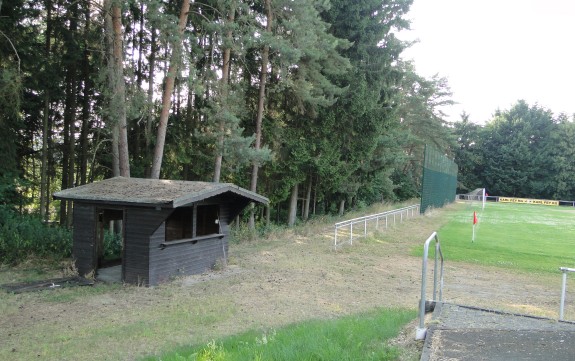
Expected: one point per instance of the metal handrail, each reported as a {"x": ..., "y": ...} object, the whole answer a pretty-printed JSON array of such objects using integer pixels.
[
  {"x": 565, "y": 270},
  {"x": 421, "y": 330},
  {"x": 350, "y": 222}
]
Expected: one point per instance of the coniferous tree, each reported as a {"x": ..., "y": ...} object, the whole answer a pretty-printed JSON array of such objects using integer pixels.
[
  {"x": 10, "y": 98},
  {"x": 366, "y": 112},
  {"x": 420, "y": 120},
  {"x": 516, "y": 153},
  {"x": 330, "y": 101},
  {"x": 562, "y": 155},
  {"x": 467, "y": 155}
]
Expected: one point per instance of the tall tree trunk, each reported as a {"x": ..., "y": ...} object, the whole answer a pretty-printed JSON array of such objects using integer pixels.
[
  {"x": 307, "y": 199},
  {"x": 51, "y": 165},
  {"x": 70, "y": 110},
  {"x": 292, "y": 214},
  {"x": 65, "y": 165},
  {"x": 261, "y": 102},
  {"x": 167, "y": 94},
  {"x": 86, "y": 102},
  {"x": 44, "y": 167},
  {"x": 115, "y": 150},
  {"x": 225, "y": 93},
  {"x": 139, "y": 73},
  {"x": 68, "y": 158},
  {"x": 44, "y": 211},
  {"x": 150, "y": 100},
  {"x": 119, "y": 91},
  {"x": 315, "y": 196},
  {"x": 72, "y": 147},
  {"x": 117, "y": 85},
  {"x": 110, "y": 65}
]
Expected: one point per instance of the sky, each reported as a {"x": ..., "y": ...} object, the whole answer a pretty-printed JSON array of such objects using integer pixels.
[{"x": 496, "y": 52}]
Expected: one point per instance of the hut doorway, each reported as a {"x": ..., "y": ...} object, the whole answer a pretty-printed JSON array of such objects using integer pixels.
[{"x": 110, "y": 241}]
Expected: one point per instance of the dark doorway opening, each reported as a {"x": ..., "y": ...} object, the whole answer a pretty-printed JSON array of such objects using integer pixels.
[{"x": 110, "y": 245}]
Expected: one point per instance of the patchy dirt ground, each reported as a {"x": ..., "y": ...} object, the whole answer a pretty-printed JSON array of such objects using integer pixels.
[{"x": 268, "y": 283}]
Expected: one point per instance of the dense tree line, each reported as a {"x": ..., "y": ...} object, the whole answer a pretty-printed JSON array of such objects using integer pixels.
[
  {"x": 308, "y": 102},
  {"x": 525, "y": 151}
]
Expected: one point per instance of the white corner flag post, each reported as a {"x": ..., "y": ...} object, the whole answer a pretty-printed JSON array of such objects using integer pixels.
[
  {"x": 474, "y": 223},
  {"x": 484, "y": 199}
]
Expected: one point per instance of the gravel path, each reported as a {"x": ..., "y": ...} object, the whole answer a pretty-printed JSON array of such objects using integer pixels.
[{"x": 470, "y": 333}]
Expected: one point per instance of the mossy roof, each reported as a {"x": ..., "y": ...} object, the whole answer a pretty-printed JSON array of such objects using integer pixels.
[{"x": 162, "y": 193}]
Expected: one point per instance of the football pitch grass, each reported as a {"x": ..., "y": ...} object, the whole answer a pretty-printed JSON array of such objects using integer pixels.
[{"x": 523, "y": 237}]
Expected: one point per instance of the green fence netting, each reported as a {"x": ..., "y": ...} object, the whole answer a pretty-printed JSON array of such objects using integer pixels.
[{"x": 439, "y": 182}]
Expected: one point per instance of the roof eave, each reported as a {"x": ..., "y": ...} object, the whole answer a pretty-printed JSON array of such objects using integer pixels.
[
  {"x": 116, "y": 203},
  {"x": 224, "y": 188}
]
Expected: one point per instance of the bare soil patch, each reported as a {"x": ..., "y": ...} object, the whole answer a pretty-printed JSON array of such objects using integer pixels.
[{"x": 268, "y": 283}]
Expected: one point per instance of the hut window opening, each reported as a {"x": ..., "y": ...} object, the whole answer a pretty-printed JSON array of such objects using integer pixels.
[
  {"x": 179, "y": 224},
  {"x": 207, "y": 220}
]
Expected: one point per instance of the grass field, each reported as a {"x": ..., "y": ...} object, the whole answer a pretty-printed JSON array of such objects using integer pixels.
[
  {"x": 531, "y": 238},
  {"x": 364, "y": 336},
  {"x": 278, "y": 287}
]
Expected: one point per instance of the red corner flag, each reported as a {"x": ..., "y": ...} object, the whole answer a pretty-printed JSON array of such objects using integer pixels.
[{"x": 474, "y": 218}]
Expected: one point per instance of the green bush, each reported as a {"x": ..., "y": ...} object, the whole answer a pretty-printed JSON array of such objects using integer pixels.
[
  {"x": 22, "y": 236},
  {"x": 112, "y": 245}
]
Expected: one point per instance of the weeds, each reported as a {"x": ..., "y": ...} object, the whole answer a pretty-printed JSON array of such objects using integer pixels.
[
  {"x": 69, "y": 268},
  {"x": 212, "y": 352},
  {"x": 220, "y": 265}
]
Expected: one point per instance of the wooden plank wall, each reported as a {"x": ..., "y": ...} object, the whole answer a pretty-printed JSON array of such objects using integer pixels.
[
  {"x": 140, "y": 223},
  {"x": 233, "y": 203},
  {"x": 186, "y": 258},
  {"x": 83, "y": 250},
  {"x": 145, "y": 262}
]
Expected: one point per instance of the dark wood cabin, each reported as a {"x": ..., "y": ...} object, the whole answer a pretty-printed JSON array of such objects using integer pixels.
[{"x": 168, "y": 227}]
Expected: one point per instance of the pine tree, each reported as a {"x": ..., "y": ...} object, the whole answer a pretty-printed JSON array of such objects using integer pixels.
[
  {"x": 516, "y": 152},
  {"x": 365, "y": 113},
  {"x": 169, "y": 82},
  {"x": 562, "y": 155}
]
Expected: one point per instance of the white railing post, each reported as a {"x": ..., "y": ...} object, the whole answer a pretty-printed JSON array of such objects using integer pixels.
[
  {"x": 563, "y": 286},
  {"x": 366, "y": 219},
  {"x": 421, "y": 329},
  {"x": 335, "y": 238},
  {"x": 564, "y": 270},
  {"x": 351, "y": 233}
]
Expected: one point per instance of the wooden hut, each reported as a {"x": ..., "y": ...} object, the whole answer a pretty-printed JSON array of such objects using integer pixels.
[{"x": 169, "y": 228}]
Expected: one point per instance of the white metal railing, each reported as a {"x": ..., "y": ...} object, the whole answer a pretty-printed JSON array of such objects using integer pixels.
[
  {"x": 565, "y": 270},
  {"x": 421, "y": 330},
  {"x": 345, "y": 229}
]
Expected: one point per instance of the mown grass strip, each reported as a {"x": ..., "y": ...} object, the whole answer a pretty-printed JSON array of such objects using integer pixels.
[
  {"x": 531, "y": 238},
  {"x": 357, "y": 337}
]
